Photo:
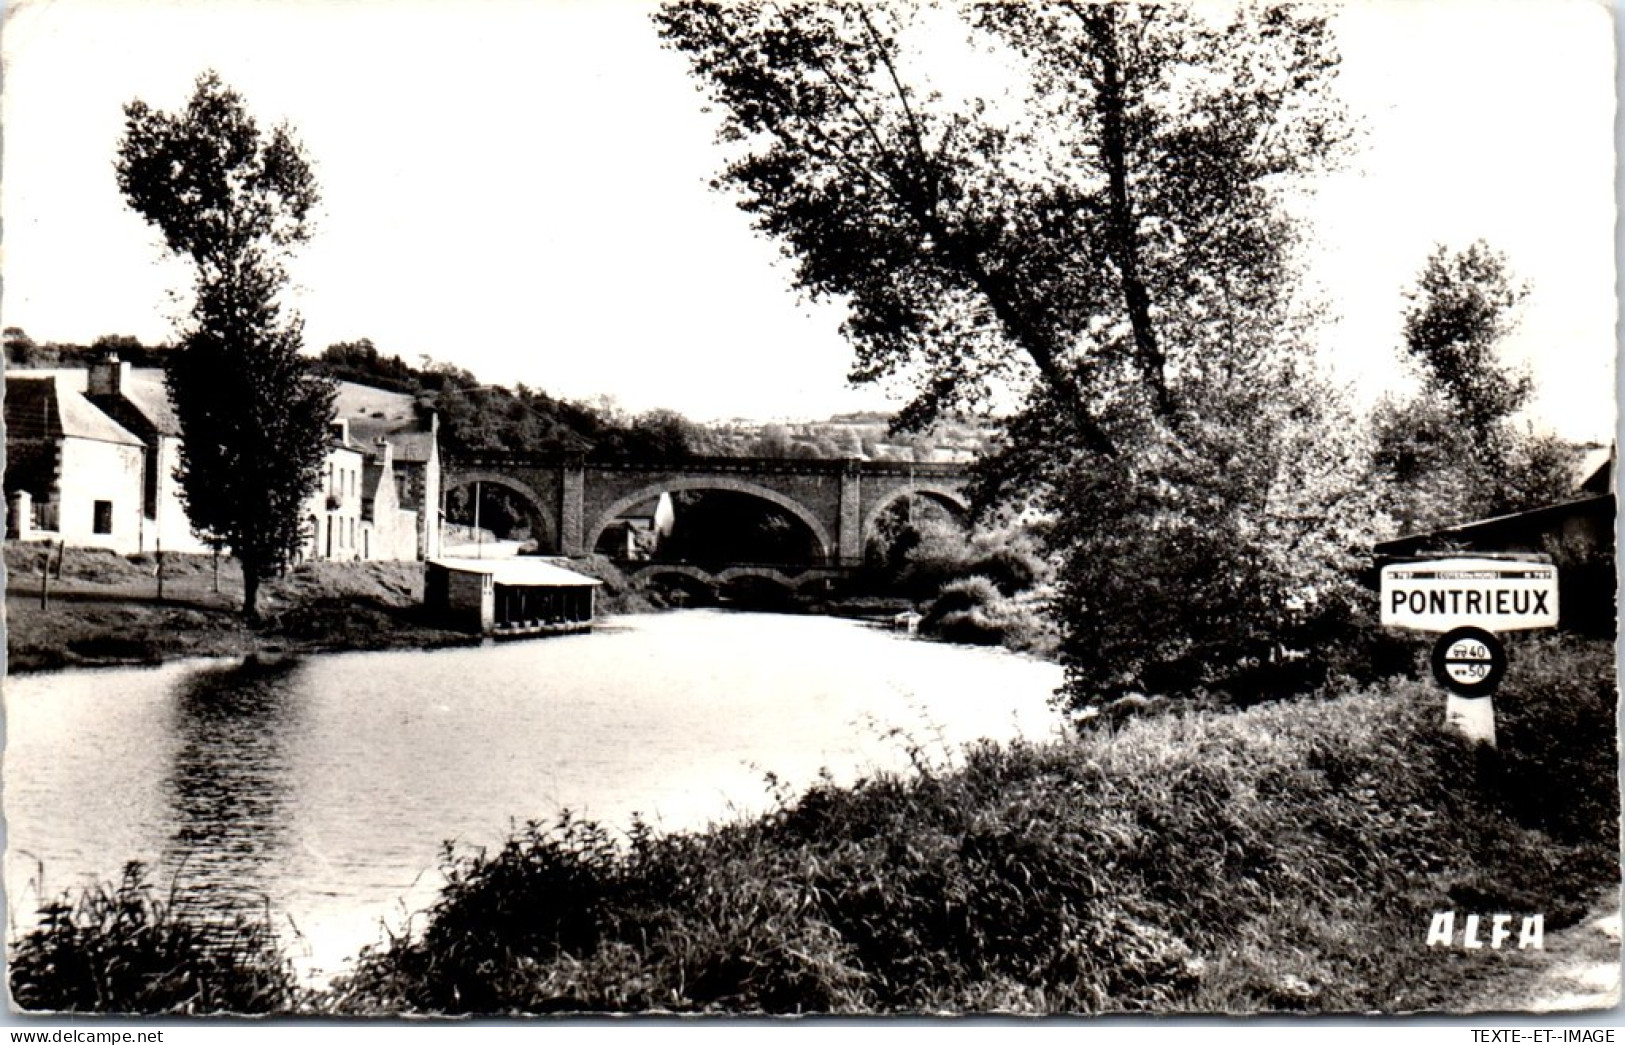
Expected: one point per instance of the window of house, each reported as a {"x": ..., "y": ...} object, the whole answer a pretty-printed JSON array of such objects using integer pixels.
[{"x": 103, "y": 521}]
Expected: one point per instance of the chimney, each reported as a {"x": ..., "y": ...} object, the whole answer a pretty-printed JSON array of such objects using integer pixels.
[
  {"x": 339, "y": 428},
  {"x": 108, "y": 376},
  {"x": 385, "y": 452}
]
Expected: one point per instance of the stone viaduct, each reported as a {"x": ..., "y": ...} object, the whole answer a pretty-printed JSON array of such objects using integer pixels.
[{"x": 839, "y": 501}]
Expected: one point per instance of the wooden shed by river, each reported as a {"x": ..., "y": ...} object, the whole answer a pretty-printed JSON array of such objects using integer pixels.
[{"x": 508, "y": 597}]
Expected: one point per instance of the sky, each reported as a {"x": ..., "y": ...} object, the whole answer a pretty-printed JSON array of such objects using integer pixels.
[{"x": 522, "y": 189}]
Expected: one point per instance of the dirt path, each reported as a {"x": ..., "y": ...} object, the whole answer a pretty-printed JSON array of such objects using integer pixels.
[{"x": 1579, "y": 969}]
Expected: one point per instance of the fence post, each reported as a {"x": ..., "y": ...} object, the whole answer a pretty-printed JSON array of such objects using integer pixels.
[{"x": 22, "y": 514}]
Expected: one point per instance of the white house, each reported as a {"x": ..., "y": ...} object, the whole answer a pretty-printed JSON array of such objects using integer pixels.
[{"x": 72, "y": 472}]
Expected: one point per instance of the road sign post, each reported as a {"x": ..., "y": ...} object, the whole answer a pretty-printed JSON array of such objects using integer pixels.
[
  {"x": 1469, "y": 663},
  {"x": 1469, "y": 601}
]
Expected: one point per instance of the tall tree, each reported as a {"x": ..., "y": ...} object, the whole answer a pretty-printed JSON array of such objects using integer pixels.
[
  {"x": 1456, "y": 452},
  {"x": 1463, "y": 305},
  {"x": 1101, "y": 216},
  {"x": 254, "y": 416}
]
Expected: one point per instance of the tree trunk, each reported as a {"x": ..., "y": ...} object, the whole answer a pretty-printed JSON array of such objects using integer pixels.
[
  {"x": 1123, "y": 242},
  {"x": 251, "y": 593}
]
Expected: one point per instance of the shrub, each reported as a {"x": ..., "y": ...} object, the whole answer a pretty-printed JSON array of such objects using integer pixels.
[
  {"x": 972, "y": 610},
  {"x": 620, "y": 593},
  {"x": 1556, "y": 767},
  {"x": 962, "y": 612},
  {"x": 1012, "y": 569},
  {"x": 121, "y": 949}
]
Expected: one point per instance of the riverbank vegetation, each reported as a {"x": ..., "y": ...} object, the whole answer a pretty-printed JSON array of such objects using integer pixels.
[
  {"x": 1288, "y": 856},
  {"x": 124, "y": 948},
  {"x": 102, "y": 608}
]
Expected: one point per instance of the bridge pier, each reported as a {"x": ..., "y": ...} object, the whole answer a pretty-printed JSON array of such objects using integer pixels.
[
  {"x": 572, "y": 498},
  {"x": 849, "y": 529}
]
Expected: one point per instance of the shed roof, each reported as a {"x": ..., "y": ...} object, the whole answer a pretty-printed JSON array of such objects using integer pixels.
[
  {"x": 533, "y": 572},
  {"x": 1504, "y": 532}
]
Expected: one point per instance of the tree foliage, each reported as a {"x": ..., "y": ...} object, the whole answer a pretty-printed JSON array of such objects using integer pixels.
[
  {"x": 1098, "y": 215},
  {"x": 23, "y": 353},
  {"x": 1457, "y": 452},
  {"x": 254, "y": 417},
  {"x": 1463, "y": 305}
]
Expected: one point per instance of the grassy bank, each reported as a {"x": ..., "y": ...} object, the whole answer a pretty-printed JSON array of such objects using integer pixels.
[
  {"x": 1285, "y": 857},
  {"x": 105, "y": 608}
]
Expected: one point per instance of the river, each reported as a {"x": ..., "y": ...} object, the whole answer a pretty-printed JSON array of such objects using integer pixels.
[{"x": 325, "y": 786}]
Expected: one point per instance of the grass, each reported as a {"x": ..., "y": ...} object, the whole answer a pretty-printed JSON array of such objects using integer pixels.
[
  {"x": 104, "y": 609},
  {"x": 122, "y": 948},
  {"x": 1285, "y": 857}
]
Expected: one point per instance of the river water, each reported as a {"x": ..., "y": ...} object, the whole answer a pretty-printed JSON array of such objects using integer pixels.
[{"x": 325, "y": 786}]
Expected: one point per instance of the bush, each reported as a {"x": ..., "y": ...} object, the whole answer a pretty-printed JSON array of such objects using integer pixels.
[
  {"x": 121, "y": 949},
  {"x": 1557, "y": 764},
  {"x": 973, "y": 610},
  {"x": 962, "y": 613}
]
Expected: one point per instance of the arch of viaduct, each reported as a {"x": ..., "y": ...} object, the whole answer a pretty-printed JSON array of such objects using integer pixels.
[{"x": 839, "y": 501}]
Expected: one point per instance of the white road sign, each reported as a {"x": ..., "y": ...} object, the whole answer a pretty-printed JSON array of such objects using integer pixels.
[{"x": 1493, "y": 594}]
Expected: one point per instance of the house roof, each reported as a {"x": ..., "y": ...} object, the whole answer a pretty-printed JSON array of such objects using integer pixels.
[
  {"x": 375, "y": 413},
  {"x": 1596, "y": 469},
  {"x": 647, "y": 510},
  {"x": 371, "y": 412},
  {"x": 532, "y": 572},
  {"x": 147, "y": 392},
  {"x": 410, "y": 445},
  {"x": 48, "y": 407}
]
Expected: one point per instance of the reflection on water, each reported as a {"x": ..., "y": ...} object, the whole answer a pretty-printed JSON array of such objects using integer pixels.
[
  {"x": 326, "y": 786},
  {"x": 228, "y": 788}
]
